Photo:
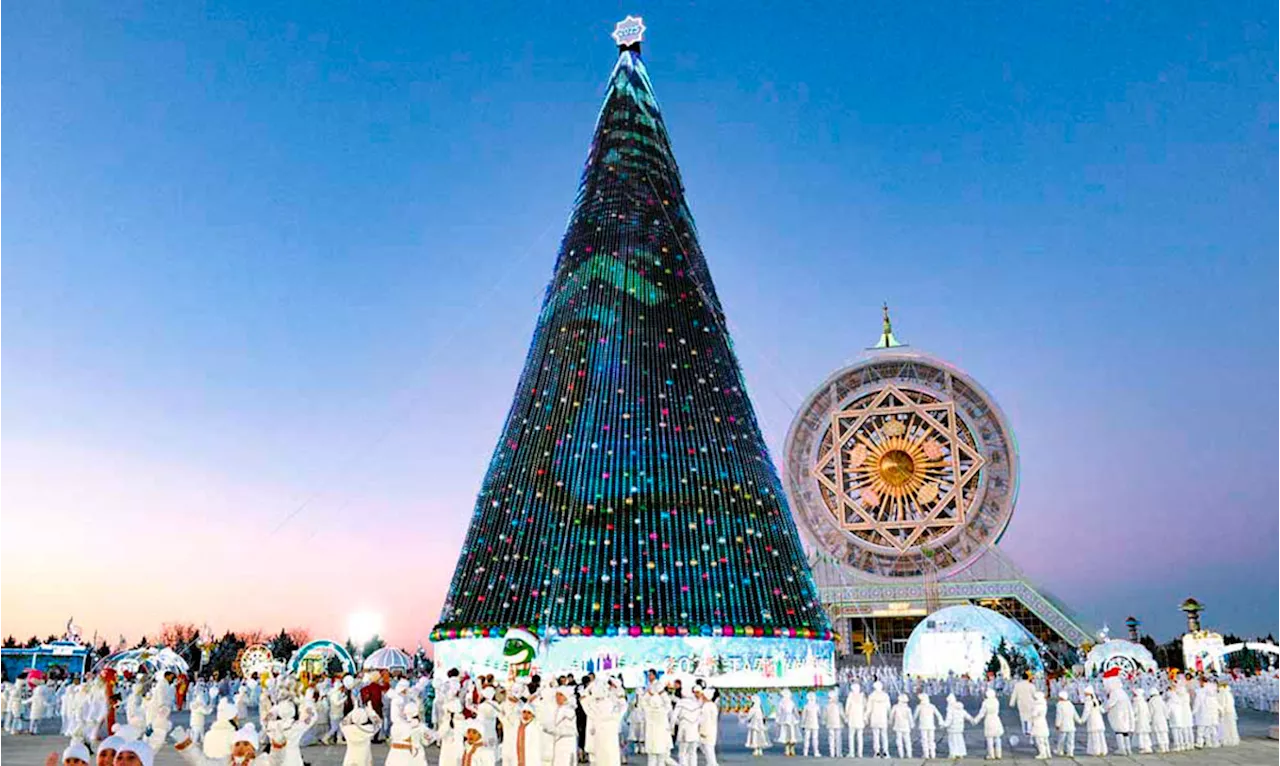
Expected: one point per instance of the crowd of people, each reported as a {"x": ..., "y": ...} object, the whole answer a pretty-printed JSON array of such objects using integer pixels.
[{"x": 531, "y": 721}]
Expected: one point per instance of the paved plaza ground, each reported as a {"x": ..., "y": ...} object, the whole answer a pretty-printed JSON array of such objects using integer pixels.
[{"x": 1255, "y": 750}]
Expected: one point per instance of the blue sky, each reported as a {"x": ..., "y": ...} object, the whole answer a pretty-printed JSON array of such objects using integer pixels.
[{"x": 271, "y": 256}]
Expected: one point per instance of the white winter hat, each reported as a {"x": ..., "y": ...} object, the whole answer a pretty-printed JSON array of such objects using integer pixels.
[
  {"x": 348, "y": 682},
  {"x": 246, "y": 733},
  {"x": 140, "y": 749},
  {"x": 401, "y": 685},
  {"x": 226, "y": 710},
  {"x": 111, "y": 743},
  {"x": 77, "y": 750}
]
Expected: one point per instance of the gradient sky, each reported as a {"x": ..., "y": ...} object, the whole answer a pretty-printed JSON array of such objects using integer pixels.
[{"x": 271, "y": 269}]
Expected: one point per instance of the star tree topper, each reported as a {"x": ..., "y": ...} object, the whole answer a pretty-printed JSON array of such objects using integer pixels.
[{"x": 629, "y": 31}]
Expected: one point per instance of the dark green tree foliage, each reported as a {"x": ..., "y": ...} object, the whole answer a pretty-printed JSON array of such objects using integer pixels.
[
  {"x": 223, "y": 655},
  {"x": 1018, "y": 665},
  {"x": 10, "y": 642},
  {"x": 631, "y": 485},
  {"x": 282, "y": 646}
]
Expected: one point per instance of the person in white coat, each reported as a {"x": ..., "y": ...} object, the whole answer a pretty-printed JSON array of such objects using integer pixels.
[
  {"x": 606, "y": 709},
  {"x": 954, "y": 720},
  {"x": 218, "y": 741},
  {"x": 833, "y": 720},
  {"x": 359, "y": 729},
  {"x": 855, "y": 716},
  {"x": 475, "y": 751},
  {"x": 709, "y": 725},
  {"x": 200, "y": 710},
  {"x": 1141, "y": 721},
  {"x": 408, "y": 739},
  {"x": 564, "y": 732},
  {"x": 1184, "y": 716},
  {"x": 1022, "y": 699},
  {"x": 1040, "y": 725},
  {"x": 757, "y": 727},
  {"x": 1159, "y": 720},
  {"x": 1228, "y": 721},
  {"x": 39, "y": 706},
  {"x": 657, "y": 725},
  {"x": 68, "y": 701},
  {"x": 1064, "y": 721},
  {"x": 13, "y": 708},
  {"x": 242, "y": 703},
  {"x": 522, "y": 741},
  {"x": 878, "y": 704},
  {"x": 135, "y": 708},
  {"x": 450, "y": 732},
  {"x": 337, "y": 697},
  {"x": 992, "y": 730},
  {"x": 287, "y": 730},
  {"x": 810, "y": 722},
  {"x": 635, "y": 725},
  {"x": 787, "y": 717},
  {"x": 1095, "y": 728},
  {"x": 686, "y": 715},
  {"x": 927, "y": 718},
  {"x": 1119, "y": 713},
  {"x": 900, "y": 721},
  {"x": 244, "y": 749},
  {"x": 1205, "y": 715}
]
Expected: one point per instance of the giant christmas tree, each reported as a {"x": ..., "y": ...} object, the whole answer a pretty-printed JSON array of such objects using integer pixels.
[{"x": 631, "y": 493}]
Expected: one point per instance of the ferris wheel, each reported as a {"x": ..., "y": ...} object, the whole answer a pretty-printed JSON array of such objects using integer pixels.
[{"x": 901, "y": 466}]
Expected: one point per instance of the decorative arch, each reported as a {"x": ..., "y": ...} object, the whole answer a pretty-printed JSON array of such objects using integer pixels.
[{"x": 325, "y": 647}]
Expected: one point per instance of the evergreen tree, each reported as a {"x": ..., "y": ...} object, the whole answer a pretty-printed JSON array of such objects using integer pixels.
[
  {"x": 632, "y": 487},
  {"x": 372, "y": 645},
  {"x": 223, "y": 655},
  {"x": 282, "y": 646}
]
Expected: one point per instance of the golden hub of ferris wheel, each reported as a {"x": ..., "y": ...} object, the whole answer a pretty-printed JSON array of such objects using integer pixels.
[{"x": 900, "y": 468}]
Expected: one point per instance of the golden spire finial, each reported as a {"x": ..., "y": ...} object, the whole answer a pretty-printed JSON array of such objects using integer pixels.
[{"x": 887, "y": 340}]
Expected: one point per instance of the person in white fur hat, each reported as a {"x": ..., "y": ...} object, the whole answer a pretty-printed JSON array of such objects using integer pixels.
[
  {"x": 76, "y": 754},
  {"x": 244, "y": 750},
  {"x": 522, "y": 740},
  {"x": 901, "y": 721},
  {"x": 475, "y": 751},
  {"x": 359, "y": 729},
  {"x": 135, "y": 753},
  {"x": 564, "y": 730},
  {"x": 810, "y": 725},
  {"x": 1065, "y": 719},
  {"x": 38, "y": 702},
  {"x": 287, "y": 730},
  {"x": 106, "y": 755},
  {"x": 200, "y": 710},
  {"x": 218, "y": 741},
  {"x": 339, "y": 701},
  {"x": 407, "y": 744},
  {"x": 927, "y": 718},
  {"x": 833, "y": 720},
  {"x": 992, "y": 729},
  {"x": 855, "y": 715},
  {"x": 878, "y": 704}
]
